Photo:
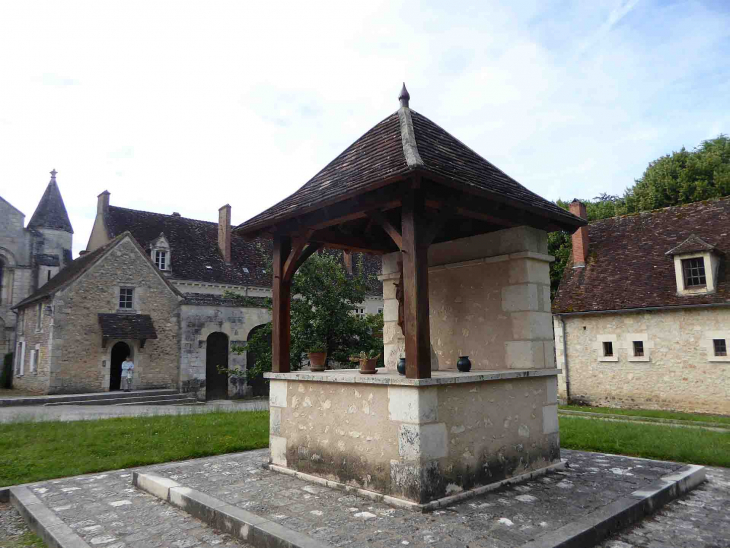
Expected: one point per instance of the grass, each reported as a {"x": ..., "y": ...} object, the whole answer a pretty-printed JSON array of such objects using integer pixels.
[
  {"x": 650, "y": 413},
  {"x": 34, "y": 451},
  {"x": 26, "y": 540},
  {"x": 650, "y": 441}
]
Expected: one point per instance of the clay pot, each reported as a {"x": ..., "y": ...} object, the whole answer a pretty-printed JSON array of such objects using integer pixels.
[
  {"x": 367, "y": 366},
  {"x": 402, "y": 366},
  {"x": 463, "y": 365},
  {"x": 317, "y": 360}
]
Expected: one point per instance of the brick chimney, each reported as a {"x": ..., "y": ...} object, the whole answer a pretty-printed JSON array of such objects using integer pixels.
[
  {"x": 224, "y": 232},
  {"x": 102, "y": 203},
  {"x": 347, "y": 258},
  {"x": 580, "y": 236}
]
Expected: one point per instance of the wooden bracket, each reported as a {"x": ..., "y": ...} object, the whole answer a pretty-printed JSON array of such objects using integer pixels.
[
  {"x": 445, "y": 213},
  {"x": 393, "y": 232}
]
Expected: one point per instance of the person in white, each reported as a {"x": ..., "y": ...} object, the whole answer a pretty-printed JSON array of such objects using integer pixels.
[{"x": 127, "y": 372}]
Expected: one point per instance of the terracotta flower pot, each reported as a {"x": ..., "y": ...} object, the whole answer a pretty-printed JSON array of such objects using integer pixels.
[
  {"x": 367, "y": 366},
  {"x": 317, "y": 360}
]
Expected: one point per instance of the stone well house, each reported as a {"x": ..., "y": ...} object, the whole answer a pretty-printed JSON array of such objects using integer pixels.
[
  {"x": 74, "y": 332},
  {"x": 30, "y": 255},
  {"x": 642, "y": 314}
]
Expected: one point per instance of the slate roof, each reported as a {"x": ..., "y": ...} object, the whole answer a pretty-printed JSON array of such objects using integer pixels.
[
  {"x": 194, "y": 247},
  {"x": 207, "y": 299},
  {"x": 379, "y": 155},
  {"x": 194, "y": 253},
  {"x": 127, "y": 326},
  {"x": 628, "y": 266},
  {"x": 51, "y": 211}
]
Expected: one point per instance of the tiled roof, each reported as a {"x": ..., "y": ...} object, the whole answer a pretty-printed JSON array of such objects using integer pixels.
[
  {"x": 379, "y": 155},
  {"x": 194, "y": 247},
  {"x": 692, "y": 244},
  {"x": 51, "y": 211},
  {"x": 208, "y": 299},
  {"x": 127, "y": 326},
  {"x": 628, "y": 266}
]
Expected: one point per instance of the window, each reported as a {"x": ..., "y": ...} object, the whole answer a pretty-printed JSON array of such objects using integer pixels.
[
  {"x": 34, "y": 360},
  {"x": 380, "y": 310},
  {"x": 607, "y": 349},
  {"x": 20, "y": 362},
  {"x": 694, "y": 272},
  {"x": 2, "y": 264},
  {"x": 720, "y": 347},
  {"x": 359, "y": 311},
  {"x": 21, "y": 322},
  {"x": 638, "y": 348},
  {"x": 39, "y": 317},
  {"x": 161, "y": 260},
  {"x": 126, "y": 295}
]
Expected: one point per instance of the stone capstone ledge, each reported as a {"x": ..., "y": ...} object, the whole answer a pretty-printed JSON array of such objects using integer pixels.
[
  {"x": 408, "y": 505},
  {"x": 353, "y": 376},
  {"x": 597, "y": 526},
  {"x": 42, "y": 521},
  {"x": 224, "y": 517}
]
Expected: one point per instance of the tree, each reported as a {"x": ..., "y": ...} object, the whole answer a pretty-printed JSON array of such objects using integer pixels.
[
  {"x": 680, "y": 178},
  {"x": 323, "y": 315}
]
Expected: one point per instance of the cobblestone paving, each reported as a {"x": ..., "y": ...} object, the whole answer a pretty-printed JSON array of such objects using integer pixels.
[
  {"x": 700, "y": 519},
  {"x": 106, "y": 511},
  {"x": 508, "y": 517},
  {"x": 14, "y": 532}
]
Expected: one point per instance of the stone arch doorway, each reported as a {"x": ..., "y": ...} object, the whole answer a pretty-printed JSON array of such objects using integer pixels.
[
  {"x": 259, "y": 386},
  {"x": 216, "y": 354},
  {"x": 120, "y": 351}
]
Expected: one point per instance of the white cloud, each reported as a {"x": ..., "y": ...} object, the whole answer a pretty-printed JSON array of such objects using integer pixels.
[{"x": 184, "y": 106}]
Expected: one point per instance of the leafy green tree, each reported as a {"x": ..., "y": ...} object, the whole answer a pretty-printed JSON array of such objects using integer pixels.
[{"x": 322, "y": 316}]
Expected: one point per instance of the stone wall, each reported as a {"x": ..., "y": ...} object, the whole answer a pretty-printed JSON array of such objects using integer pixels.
[
  {"x": 198, "y": 322},
  {"x": 35, "y": 380},
  {"x": 79, "y": 363},
  {"x": 678, "y": 371},
  {"x": 416, "y": 443},
  {"x": 489, "y": 298}
]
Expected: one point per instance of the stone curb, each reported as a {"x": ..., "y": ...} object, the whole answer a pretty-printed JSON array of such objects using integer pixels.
[
  {"x": 42, "y": 521},
  {"x": 224, "y": 517},
  {"x": 597, "y": 526},
  {"x": 414, "y": 506},
  {"x": 647, "y": 420}
]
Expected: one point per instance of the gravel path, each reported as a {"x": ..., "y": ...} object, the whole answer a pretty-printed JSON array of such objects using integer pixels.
[{"x": 14, "y": 533}]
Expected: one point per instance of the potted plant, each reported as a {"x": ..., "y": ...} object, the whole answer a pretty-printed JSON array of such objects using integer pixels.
[
  {"x": 368, "y": 361},
  {"x": 317, "y": 357}
]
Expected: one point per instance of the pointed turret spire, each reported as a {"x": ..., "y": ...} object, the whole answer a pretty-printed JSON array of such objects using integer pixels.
[
  {"x": 404, "y": 96},
  {"x": 51, "y": 211}
]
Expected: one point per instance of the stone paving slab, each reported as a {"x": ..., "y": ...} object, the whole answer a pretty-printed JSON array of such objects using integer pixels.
[
  {"x": 510, "y": 516},
  {"x": 106, "y": 511}
]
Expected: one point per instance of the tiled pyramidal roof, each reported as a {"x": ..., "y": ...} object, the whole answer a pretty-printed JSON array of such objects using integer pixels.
[
  {"x": 51, "y": 211},
  {"x": 403, "y": 142},
  {"x": 630, "y": 263}
]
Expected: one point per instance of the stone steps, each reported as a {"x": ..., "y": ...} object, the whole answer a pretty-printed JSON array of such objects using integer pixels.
[
  {"x": 130, "y": 399},
  {"x": 94, "y": 396}
]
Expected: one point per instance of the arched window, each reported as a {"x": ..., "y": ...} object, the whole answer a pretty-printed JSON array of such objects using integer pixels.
[{"x": 2, "y": 279}]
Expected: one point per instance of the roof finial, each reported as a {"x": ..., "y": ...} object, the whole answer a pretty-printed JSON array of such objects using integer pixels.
[
  {"x": 404, "y": 96},
  {"x": 53, "y": 175}
]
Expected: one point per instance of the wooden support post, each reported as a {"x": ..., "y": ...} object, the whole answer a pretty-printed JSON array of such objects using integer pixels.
[
  {"x": 281, "y": 314},
  {"x": 415, "y": 281}
]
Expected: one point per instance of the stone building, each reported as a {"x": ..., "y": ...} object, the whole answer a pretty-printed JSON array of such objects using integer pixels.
[
  {"x": 642, "y": 315},
  {"x": 30, "y": 255},
  {"x": 75, "y": 331}
]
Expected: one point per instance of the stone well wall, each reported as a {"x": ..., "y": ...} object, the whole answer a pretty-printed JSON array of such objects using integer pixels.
[
  {"x": 489, "y": 298},
  {"x": 418, "y": 443},
  {"x": 677, "y": 372}
]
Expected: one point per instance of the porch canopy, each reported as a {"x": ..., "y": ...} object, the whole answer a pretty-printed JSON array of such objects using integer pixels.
[{"x": 402, "y": 186}]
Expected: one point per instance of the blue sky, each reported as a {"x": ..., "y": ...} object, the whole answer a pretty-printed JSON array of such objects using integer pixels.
[{"x": 185, "y": 106}]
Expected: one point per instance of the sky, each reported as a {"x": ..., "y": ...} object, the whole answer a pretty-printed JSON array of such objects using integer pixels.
[{"x": 188, "y": 105}]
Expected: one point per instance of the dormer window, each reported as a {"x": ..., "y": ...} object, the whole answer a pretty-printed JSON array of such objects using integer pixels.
[
  {"x": 696, "y": 265},
  {"x": 694, "y": 272},
  {"x": 161, "y": 259}
]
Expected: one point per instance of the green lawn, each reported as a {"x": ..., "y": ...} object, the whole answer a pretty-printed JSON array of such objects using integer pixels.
[
  {"x": 654, "y": 414},
  {"x": 691, "y": 445},
  {"x": 33, "y": 451}
]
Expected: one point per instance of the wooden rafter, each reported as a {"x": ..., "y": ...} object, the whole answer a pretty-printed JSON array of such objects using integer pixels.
[{"x": 386, "y": 225}]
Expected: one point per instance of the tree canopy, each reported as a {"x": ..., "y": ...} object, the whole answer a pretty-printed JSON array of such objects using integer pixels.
[{"x": 679, "y": 178}]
